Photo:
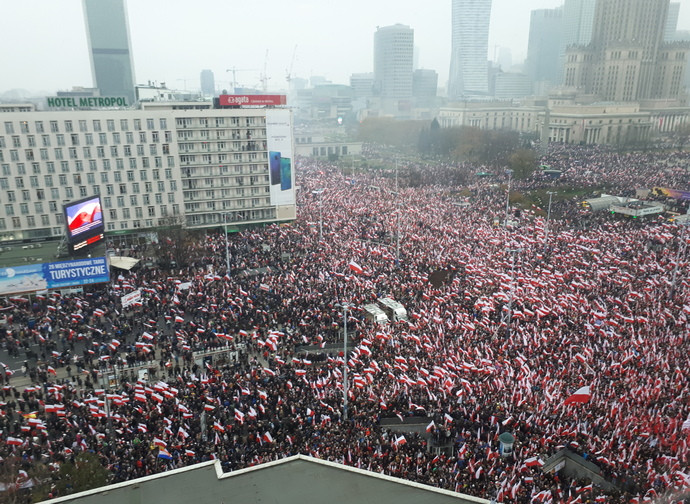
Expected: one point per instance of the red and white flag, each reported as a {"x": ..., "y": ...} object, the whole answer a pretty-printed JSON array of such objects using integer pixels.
[
  {"x": 581, "y": 395},
  {"x": 356, "y": 267}
]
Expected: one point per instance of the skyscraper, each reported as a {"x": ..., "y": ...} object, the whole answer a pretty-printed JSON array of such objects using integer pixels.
[
  {"x": 208, "y": 83},
  {"x": 107, "y": 32},
  {"x": 393, "y": 58},
  {"x": 627, "y": 59},
  {"x": 578, "y": 19},
  {"x": 545, "y": 30},
  {"x": 469, "y": 67},
  {"x": 671, "y": 22}
]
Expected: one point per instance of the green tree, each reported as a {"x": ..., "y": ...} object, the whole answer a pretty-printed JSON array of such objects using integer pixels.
[
  {"x": 523, "y": 162},
  {"x": 85, "y": 473}
]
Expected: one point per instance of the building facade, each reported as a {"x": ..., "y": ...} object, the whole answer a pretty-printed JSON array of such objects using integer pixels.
[
  {"x": 578, "y": 20},
  {"x": 393, "y": 63},
  {"x": 107, "y": 33},
  {"x": 163, "y": 164},
  {"x": 627, "y": 59},
  {"x": 208, "y": 83},
  {"x": 545, "y": 32},
  {"x": 469, "y": 68}
]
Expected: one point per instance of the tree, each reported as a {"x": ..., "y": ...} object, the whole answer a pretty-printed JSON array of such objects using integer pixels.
[
  {"x": 523, "y": 162},
  {"x": 175, "y": 243},
  {"x": 85, "y": 473}
]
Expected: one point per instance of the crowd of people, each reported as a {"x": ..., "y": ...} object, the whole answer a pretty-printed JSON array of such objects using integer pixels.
[{"x": 567, "y": 338}]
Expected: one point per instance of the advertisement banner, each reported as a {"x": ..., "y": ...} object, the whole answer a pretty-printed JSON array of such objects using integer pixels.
[
  {"x": 251, "y": 100},
  {"x": 54, "y": 275},
  {"x": 281, "y": 160}
]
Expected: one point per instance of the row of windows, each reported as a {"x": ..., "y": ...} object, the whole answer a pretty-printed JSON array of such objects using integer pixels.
[
  {"x": 219, "y": 122},
  {"x": 79, "y": 169},
  {"x": 78, "y": 166},
  {"x": 83, "y": 125},
  {"x": 72, "y": 152},
  {"x": 74, "y": 139}
]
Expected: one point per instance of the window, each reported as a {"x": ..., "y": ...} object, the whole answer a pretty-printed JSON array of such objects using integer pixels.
[
  {"x": 133, "y": 199},
  {"x": 123, "y": 188},
  {"x": 152, "y": 211},
  {"x": 97, "y": 125},
  {"x": 33, "y": 181},
  {"x": 60, "y": 139},
  {"x": 107, "y": 202},
  {"x": 116, "y": 138},
  {"x": 159, "y": 198},
  {"x": 88, "y": 138},
  {"x": 137, "y": 124},
  {"x": 132, "y": 162},
  {"x": 69, "y": 192},
  {"x": 9, "y": 128},
  {"x": 123, "y": 125},
  {"x": 24, "y": 208},
  {"x": 155, "y": 137},
  {"x": 149, "y": 187},
  {"x": 16, "y": 223},
  {"x": 91, "y": 178},
  {"x": 74, "y": 138},
  {"x": 54, "y": 192},
  {"x": 62, "y": 180},
  {"x": 79, "y": 165},
  {"x": 39, "y": 127},
  {"x": 54, "y": 127},
  {"x": 31, "y": 140},
  {"x": 147, "y": 199},
  {"x": 112, "y": 213},
  {"x": 140, "y": 150},
  {"x": 45, "y": 140},
  {"x": 48, "y": 179},
  {"x": 10, "y": 196},
  {"x": 173, "y": 185},
  {"x": 129, "y": 137},
  {"x": 118, "y": 177},
  {"x": 102, "y": 139},
  {"x": 24, "y": 126},
  {"x": 19, "y": 182},
  {"x": 163, "y": 122},
  {"x": 16, "y": 141},
  {"x": 68, "y": 126},
  {"x": 9, "y": 209},
  {"x": 138, "y": 212},
  {"x": 92, "y": 165},
  {"x": 45, "y": 221},
  {"x": 82, "y": 191},
  {"x": 73, "y": 152},
  {"x": 100, "y": 151},
  {"x": 110, "y": 124},
  {"x": 4, "y": 184},
  {"x": 120, "y": 201},
  {"x": 58, "y": 153},
  {"x": 125, "y": 213},
  {"x": 35, "y": 168},
  {"x": 104, "y": 177},
  {"x": 82, "y": 126},
  {"x": 149, "y": 124},
  {"x": 135, "y": 187}
]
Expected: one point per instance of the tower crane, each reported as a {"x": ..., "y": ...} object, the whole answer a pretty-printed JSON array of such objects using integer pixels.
[{"x": 234, "y": 74}]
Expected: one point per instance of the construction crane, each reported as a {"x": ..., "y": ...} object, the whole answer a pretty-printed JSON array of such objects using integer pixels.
[
  {"x": 288, "y": 71},
  {"x": 264, "y": 77},
  {"x": 234, "y": 74}
]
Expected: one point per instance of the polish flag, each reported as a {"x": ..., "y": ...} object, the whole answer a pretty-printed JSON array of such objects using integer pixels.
[
  {"x": 267, "y": 437},
  {"x": 14, "y": 441},
  {"x": 239, "y": 416},
  {"x": 159, "y": 443},
  {"x": 189, "y": 453},
  {"x": 431, "y": 426},
  {"x": 581, "y": 395},
  {"x": 356, "y": 267},
  {"x": 534, "y": 462}
]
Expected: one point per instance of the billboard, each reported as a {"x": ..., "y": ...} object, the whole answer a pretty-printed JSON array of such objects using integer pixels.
[
  {"x": 84, "y": 222},
  {"x": 53, "y": 275},
  {"x": 251, "y": 100},
  {"x": 281, "y": 160}
]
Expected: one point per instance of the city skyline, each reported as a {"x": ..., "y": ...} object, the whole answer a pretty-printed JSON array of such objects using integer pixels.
[{"x": 172, "y": 44}]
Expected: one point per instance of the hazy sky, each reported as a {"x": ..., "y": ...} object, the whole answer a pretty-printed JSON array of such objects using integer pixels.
[{"x": 43, "y": 42}]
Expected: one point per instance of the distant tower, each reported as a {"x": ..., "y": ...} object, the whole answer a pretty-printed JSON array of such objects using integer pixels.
[
  {"x": 107, "y": 32},
  {"x": 545, "y": 29},
  {"x": 393, "y": 61},
  {"x": 671, "y": 22},
  {"x": 578, "y": 20},
  {"x": 208, "y": 84},
  {"x": 627, "y": 59},
  {"x": 469, "y": 67}
]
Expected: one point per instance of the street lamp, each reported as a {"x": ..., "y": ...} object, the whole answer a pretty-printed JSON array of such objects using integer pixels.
[
  {"x": 345, "y": 307},
  {"x": 227, "y": 245},
  {"x": 548, "y": 217},
  {"x": 397, "y": 204},
  {"x": 680, "y": 254},
  {"x": 320, "y": 192},
  {"x": 505, "y": 222}
]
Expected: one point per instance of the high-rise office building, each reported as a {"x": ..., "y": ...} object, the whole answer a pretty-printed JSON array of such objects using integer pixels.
[
  {"x": 545, "y": 29},
  {"x": 393, "y": 58},
  {"x": 578, "y": 19},
  {"x": 627, "y": 59},
  {"x": 469, "y": 68},
  {"x": 208, "y": 83},
  {"x": 671, "y": 22},
  {"x": 107, "y": 32}
]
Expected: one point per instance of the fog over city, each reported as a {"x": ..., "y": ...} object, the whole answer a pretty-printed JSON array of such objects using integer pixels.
[{"x": 45, "y": 47}]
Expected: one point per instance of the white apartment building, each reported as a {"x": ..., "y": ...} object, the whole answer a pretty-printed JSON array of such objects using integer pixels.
[{"x": 161, "y": 164}]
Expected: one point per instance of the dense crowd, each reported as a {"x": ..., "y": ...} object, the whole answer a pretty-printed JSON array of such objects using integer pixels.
[{"x": 528, "y": 314}]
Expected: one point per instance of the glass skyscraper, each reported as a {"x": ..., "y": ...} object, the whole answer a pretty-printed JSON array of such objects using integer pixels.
[
  {"x": 109, "y": 46},
  {"x": 469, "y": 65}
]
